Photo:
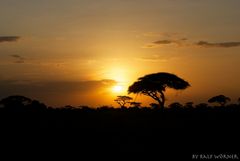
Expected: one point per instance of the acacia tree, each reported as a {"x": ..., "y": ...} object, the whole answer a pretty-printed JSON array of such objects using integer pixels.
[
  {"x": 123, "y": 100},
  {"x": 154, "y": 85},
  {"x": 221, "y": 99}
]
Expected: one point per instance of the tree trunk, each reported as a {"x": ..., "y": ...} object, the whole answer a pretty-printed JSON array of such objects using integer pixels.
[
  {"x": 160, "y": 104},
  {"x": 162, "y": 100}
]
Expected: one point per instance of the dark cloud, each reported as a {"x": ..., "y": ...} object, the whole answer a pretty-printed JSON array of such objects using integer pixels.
[
  {"x": 158, "y": 43},
  {"x": 183, "y": 39},
  {"x": 9, "y": 38},
  {"x": 79, "y": 86},
  {"x": 218, "y": 45},
  {"x": 58, "y": 93},
  {"x": 183, "y": 42},
  {"x": 52, "y": 88},
  {"x": 18, "y": 58},
  {"x": 164, "y": 42},
  {"x": 178, "y": 42}
]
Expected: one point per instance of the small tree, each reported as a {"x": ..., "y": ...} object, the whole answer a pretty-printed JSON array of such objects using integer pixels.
[
  {"x": 221, "y": 99},
  {"x": 123, "y": 100},
  {"x": 154, "y": 86}
]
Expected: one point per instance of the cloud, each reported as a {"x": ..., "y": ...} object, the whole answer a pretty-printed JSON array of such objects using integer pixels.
[
  {"x": 217, "y": 45},
  {"x": 77, "y": 86},
  {"x": 9, "y": 38},
  {"x": 58, "y": 93},
  {"x": 163, "y": 42},
  {"x": 183, "y": 42},
  {"x": 18, "y": 58},
  {"x": 25, "y": 87},
  {"x": 178, "y": 42}
]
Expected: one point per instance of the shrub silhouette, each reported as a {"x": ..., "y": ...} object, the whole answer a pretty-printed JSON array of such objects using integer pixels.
[
  {"x": 175, "y": 105},
  {"x": 15, "y": 102},
  {"x": 36, "y": 105},
  {"x": 154, "y": 85},
  {"x": 202, "y": 106},
  {"x": 123, "y": 100},
  {"x": 221, "y": 99},
  {"x": 154, "y": 105},
  {"x": 189, "y": 104}
]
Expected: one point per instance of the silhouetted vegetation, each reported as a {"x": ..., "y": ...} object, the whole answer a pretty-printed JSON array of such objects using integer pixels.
[
  {"x": 23, "y": 111},
  {"x": 123, "y": 100},
  {"x": 135, "y": 104},
  {"x": 21, "y": 103},
  {"x": 132, "y": 129},
  {"x": 189, "y": 104},
  {"x": 154, "y": 86},
  {"x": 175, "y": 105},
  {"x": 221, "y": 99}
]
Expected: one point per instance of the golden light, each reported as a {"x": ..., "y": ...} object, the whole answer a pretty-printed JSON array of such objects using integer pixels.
[
  {"x": 119, "y": 73},
  {"x": 117, "y": 89}
]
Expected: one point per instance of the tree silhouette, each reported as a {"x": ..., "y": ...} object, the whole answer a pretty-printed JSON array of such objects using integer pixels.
[
  {"x": 202, "y": 106},
  {"x": 239, "y": 100},
  {"x": 36, "y": 105},
  {"x": 154, "y": 85},
  {"x": 15, "y": 102},
  {"x": 221, "y": 99},
  {"x": 123, "y": 100},
  {"x": 175, "y": 105},
  {"x": 189, "y": 104}
]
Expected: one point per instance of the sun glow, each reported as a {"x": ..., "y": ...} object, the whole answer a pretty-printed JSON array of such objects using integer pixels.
[
  {"x": 117, "y": 89},
  {"x": 121, "y": 75}
]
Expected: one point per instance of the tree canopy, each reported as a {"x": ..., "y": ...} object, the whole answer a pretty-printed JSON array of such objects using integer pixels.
[
  {"x": 221, "y": 99},
  {"x": 154, "y": 85},
  {"x": 123, "y": 100}
]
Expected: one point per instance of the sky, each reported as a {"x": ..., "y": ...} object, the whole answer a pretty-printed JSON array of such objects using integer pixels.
[{"x": 87, "y": 52}]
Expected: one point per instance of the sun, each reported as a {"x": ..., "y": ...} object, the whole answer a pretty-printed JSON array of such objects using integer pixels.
[{"x": 117, "y": 88}]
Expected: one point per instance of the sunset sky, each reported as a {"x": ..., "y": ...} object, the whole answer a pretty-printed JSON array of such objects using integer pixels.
[{"x": 86, "y": 52}]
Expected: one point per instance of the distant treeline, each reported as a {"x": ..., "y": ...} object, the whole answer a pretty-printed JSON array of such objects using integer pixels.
[
  {"x": 178, "y": 131},
  {"x": 18, "y": 103},
  {"x": 20, "y": 111}
]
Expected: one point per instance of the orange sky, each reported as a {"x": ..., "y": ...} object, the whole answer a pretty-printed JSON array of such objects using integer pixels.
[{"x": 75, "y": 52}]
